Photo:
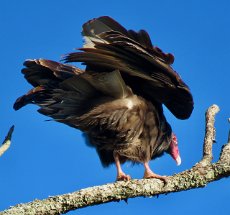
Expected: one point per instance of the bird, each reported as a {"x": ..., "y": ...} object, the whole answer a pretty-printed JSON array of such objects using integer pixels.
[{"x": 117, "y": 100}]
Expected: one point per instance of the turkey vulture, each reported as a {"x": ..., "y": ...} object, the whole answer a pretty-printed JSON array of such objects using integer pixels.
[{"x": 117, "y": 101}]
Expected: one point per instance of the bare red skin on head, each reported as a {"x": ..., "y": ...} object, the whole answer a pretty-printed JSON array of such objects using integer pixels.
[{"x": 174, "y": 149}]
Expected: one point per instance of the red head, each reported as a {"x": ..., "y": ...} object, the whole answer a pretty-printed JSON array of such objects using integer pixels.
[{"x": 174, "y": 150}]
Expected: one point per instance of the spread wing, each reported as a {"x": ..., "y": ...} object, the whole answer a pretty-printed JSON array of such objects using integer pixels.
[
  {"x": 64, "y": 92},
  {"x": 144, "y": 67}
]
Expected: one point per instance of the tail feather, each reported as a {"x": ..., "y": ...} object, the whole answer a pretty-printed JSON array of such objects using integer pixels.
[
  {"x": 93, "y": 28},
  {"x": 142, "y": 37},
  {"x": 111, "y": 47},
  {"x": 99, "y": 25}
]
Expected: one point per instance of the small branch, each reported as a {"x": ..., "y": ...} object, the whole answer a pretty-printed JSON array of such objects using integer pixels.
[
  {"x": 198, "y": 176},
  {"x": 209, "y": 134},
  {"x": 6, "y": 143}
]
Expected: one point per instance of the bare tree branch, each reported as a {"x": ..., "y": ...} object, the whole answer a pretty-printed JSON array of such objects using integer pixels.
[
  {"x": 6, "y": 143},
  {"x": 199, "y": 175},
  {"x": 210, "y": 134}
]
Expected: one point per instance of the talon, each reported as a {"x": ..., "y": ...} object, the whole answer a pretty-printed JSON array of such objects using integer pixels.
[
  {"x": 150, "y": 174},
  {"x": 123, "y": 177}
]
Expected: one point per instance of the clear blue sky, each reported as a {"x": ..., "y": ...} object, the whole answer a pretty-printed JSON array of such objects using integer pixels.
[{"x": 48, "y": 158}]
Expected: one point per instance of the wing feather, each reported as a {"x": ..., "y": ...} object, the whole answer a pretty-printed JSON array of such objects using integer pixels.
[{"x": 132, "y": 53}]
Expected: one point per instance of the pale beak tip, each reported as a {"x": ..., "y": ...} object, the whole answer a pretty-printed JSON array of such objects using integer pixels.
[{"x": 178, "y": 161}]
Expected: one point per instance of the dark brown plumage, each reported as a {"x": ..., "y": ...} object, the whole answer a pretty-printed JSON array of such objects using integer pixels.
[{"x": 117, "y": 100}]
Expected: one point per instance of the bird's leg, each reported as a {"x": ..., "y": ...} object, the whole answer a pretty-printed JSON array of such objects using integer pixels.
[
  {"x": 150, "y": 174},
  {"x": 121, "y": 176}
]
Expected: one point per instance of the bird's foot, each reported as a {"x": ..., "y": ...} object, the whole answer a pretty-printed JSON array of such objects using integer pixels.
[
  {"x": 123, "y": 177},
  {"x": 150, "y": 174}
]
